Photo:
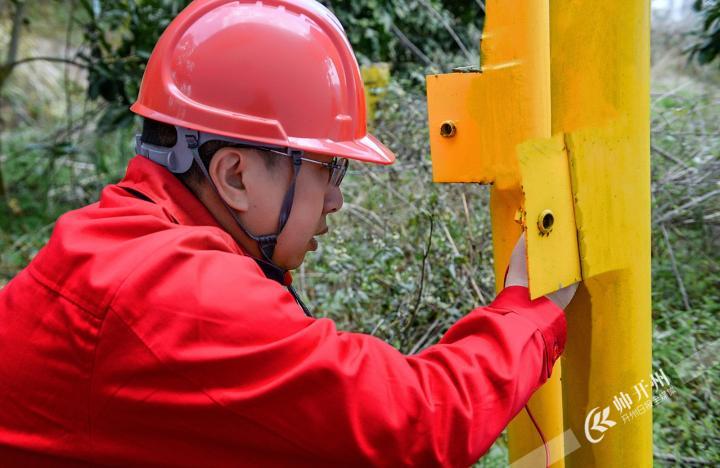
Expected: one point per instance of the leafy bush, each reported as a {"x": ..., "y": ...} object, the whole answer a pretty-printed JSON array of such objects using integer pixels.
[
  {"x": 707, "y": 48},
  {"x": 120, "y": 36}
]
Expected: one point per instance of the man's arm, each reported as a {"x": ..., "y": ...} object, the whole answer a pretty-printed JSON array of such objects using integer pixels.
[{"x": 222, "y": 361}]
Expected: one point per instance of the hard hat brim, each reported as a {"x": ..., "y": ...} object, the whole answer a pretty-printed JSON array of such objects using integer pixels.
[{"x": 367, "y": 149}]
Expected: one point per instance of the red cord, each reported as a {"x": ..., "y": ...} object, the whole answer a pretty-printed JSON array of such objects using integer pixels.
[
  {"x": 527, "y": 408},
  {"x": 542, "y": 437}
]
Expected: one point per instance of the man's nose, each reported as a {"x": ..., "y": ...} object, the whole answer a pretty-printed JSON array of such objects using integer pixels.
[{"x": 333, "y": 199}]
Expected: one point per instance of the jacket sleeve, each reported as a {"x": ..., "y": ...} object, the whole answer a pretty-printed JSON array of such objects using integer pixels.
[{"x": 219, "y": 359}]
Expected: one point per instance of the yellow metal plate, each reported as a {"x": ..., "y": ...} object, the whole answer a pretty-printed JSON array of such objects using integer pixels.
[
  {"x": 471, "y": 154},
  {"x": 611, "y": 211},
  {"x": 493, "y": 111},
  {"x": 548, "y": 215}
]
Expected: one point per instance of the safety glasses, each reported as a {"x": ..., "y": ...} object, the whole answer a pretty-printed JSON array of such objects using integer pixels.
[{"x": 337, "y": 166}]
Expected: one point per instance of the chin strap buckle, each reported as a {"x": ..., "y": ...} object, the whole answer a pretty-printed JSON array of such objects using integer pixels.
[{"x": 266, "y": 244}]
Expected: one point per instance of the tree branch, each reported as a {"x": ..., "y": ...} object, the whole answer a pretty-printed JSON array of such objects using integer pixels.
[
  {"x": 668, "y": 216},
  {"x": 676, "y": 270},
  {"x": 412, "y": 47},
  {"x": 418, "y": 299},
  {"x": 11, "y": 65},
  {"x": 17, "y": 23},
  {"x": 688, "y": 461},
  {"x": 667, "y": 155},
  {"x": 13, "y": 46},
  {"x": 448, "y": 28}
]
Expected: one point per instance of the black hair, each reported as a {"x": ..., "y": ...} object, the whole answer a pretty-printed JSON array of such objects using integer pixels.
[{"x": 162, "y": 134}]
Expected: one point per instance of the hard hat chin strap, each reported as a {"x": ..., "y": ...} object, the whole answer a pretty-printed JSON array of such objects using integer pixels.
[
  {"x": 266, "y": 243},
  {"x": 179, "y": 159}
]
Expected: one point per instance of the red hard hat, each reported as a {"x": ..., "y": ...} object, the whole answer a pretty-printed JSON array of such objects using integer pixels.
[{"x": 279, "y": 72}]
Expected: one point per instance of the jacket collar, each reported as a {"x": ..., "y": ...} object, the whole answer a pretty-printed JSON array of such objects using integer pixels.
[
  {"x": 161, "y": 187},
  {"x": 167, "y": 191}
]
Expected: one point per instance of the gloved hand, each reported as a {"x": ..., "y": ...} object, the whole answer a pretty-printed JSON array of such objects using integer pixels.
[{"x": 517, "y": 275}]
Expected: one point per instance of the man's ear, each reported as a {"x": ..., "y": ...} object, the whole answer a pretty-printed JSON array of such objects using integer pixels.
[{"x": 227, "y": 168}]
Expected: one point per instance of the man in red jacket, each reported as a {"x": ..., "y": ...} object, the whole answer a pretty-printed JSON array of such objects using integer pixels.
[{"x": 159, "y": 326}]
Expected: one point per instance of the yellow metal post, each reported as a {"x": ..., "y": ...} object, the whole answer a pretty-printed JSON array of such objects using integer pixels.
[
  {"x": 490, "y": 113},
  {"x": 376, "y": 78},
  {"x": 578, "y": 70},
  {"x": 600, "y": 67}
]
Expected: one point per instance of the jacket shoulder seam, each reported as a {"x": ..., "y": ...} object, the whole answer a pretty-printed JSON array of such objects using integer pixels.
[
  {"x": 46, "y": 283},
  {"x": 200, "y": 388},
  {"x": 74, "y": 299}
]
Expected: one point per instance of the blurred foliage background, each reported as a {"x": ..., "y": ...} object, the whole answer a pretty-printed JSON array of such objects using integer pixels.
[{"x": 405, "y": 257}]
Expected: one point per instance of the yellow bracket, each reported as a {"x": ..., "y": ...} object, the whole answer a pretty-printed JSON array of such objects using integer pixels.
[
  {"x": 465, "y": 147},
  {"x": 548, "y": 215},
  {"x": 462, "y": 128},
  {"x": 475, "y": 138}
]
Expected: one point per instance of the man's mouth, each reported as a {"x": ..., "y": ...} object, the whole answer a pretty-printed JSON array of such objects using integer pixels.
[{"x": 314, "y": 241}]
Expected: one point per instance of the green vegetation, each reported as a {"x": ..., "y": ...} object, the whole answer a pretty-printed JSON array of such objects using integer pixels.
[
  {"x": 707, "y": 47},
  {"x": 405, "y": 258}
]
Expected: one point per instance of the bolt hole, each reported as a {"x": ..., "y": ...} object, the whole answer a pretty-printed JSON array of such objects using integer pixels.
[
  {"x": 548, "y": 221},
  {"x": 545, "y": 222},
  {"x": 447, "y": 129}
]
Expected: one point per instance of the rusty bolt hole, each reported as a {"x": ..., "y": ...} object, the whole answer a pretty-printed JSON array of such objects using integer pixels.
[
  {"x": 546, "y": 221},
  {"x": 447, "y": 129}
]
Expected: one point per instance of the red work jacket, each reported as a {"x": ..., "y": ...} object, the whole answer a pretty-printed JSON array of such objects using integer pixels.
[{"x": 141, "y": 334}]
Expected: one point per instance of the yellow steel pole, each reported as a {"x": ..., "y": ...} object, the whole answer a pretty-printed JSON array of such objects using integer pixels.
[
  {"x": 600, "y": 68},
  {"x": 578, "y": 70},
  {"x": 476, "y": 121}
]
